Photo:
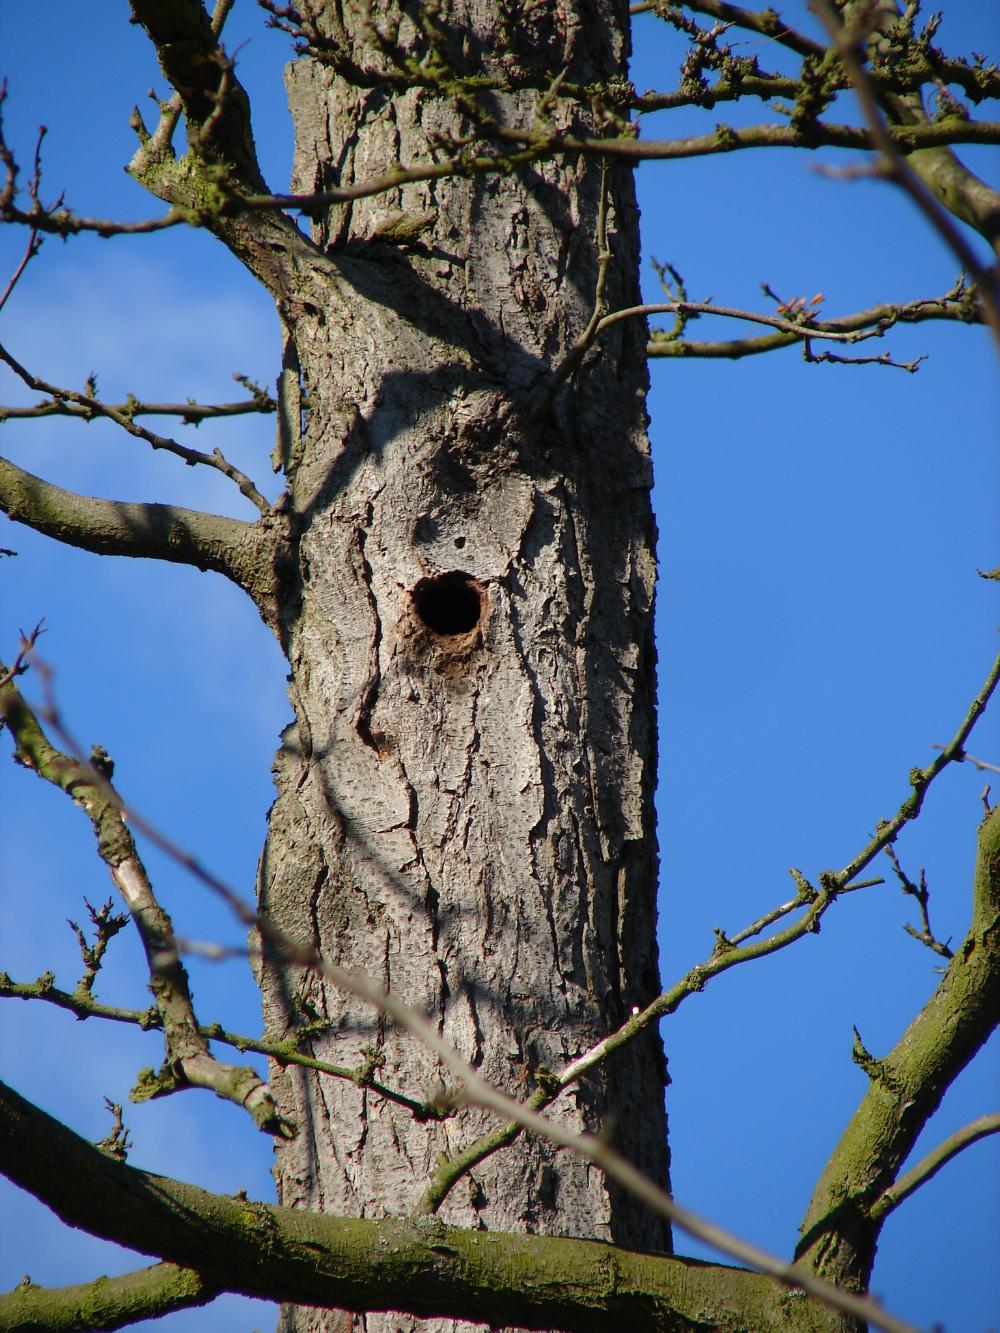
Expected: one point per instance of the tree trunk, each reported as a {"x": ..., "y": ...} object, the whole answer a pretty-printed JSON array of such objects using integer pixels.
[{"x": 464, "y": 805}]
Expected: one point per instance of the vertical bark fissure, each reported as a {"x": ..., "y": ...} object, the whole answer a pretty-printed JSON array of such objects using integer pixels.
[{"x": 478, "y": 776}]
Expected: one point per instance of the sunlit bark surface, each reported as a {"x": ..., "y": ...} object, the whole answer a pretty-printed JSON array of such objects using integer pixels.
[{"x": 464, "y": 802}]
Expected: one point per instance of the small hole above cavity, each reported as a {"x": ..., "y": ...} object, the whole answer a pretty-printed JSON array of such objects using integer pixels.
[
  {"x": 459, "y": 543},
  {"x": 449, "y": 604}
]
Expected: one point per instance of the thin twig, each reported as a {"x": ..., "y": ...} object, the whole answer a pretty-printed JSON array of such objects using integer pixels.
[
  {"x": 189, "y": 1060},
  {"x": 795, "y": 329},
  {"x": 84, "y": 1006},
  {"x": 776, "y": 913},
  {"x": 767, "y": 24},
  {"x": 475, "y": 1090},
  {"x": 922, "y": 894},
  {"x": 831, "y": 358},
  {"x": 30, "y": 250},
  {"x": 93, "y": 407},
  {"x": 19, "y": 665},
  {"x": 983, "y": 765},
  {"x": 846, "y": 41},
  {"x": 953, "y": 305},
  {"x": 191, "y": 413},
  {"x": 728, "y": 953},
  {"x": 920, "y": 781},
  {"x": 930, "y": 1165}
]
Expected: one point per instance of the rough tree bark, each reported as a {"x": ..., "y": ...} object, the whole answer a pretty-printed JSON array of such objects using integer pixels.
[
  {"x": 464, "y": 804},
  {"x": 461, "y": 574}
]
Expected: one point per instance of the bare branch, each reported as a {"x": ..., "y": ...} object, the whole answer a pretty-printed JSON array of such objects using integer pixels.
[
  {"x": 925, "y": 64},
  {"x": 63, "y": 222},
  {"x": 462, "y": 164},
  {"x": 228, "y": 202},
  {"x": 107, "y": 1303},
  {"x": 285, "y": 1052},
  {"x": 801, "y": 329},
  {"x": 728, "y": 953},
  {"x": 88, "y": 405},
  {"x": 535, "y": 145},
  {"x": 214, "y": 103},
  {"x": 919, "y": 891},
  {"x": 849, "y": 1205},
  {"x": 189, "y": 1060},
  {"x": 799, "y": 326},
  {"x": 831, "y": 358},
  {"x": 956, "y": 304},
  {"x": 929, "y": 1166},
  {"x": 418, "y": 1266},
  {"x": 190, "y": 413},
  {"x": 885, "y": 137},
  {"x": 767, "y": 23},
  {"x": 244, "y": 552},
  {"x": 726, "y": 139}
]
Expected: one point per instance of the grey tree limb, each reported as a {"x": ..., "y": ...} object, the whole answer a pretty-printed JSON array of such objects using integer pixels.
[{"x": 243, "y": 552}]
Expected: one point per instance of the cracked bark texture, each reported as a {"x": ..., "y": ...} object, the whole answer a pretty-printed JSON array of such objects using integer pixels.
[{"x": 465, "y": 813}]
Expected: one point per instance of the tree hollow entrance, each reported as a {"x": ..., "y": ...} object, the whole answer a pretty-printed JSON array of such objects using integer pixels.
[{"x": 449, "y": 604}]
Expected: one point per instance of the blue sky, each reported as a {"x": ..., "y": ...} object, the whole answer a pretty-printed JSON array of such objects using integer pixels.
[{"x": 821, "y": 627}]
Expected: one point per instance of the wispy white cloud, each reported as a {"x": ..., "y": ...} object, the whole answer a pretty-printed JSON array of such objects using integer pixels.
[{"x": 163, "y": 333}]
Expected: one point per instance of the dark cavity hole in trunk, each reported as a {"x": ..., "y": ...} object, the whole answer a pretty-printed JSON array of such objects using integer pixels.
[{"x": 450, "y": 603}]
